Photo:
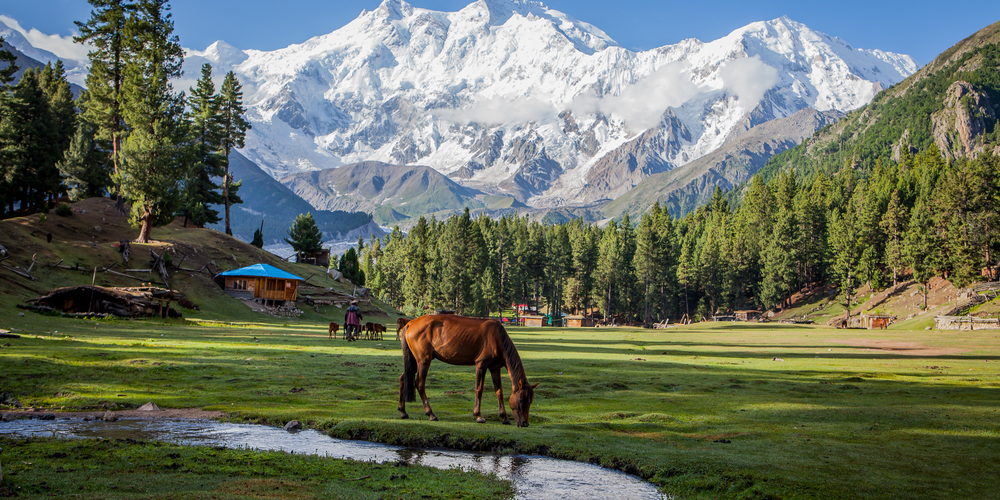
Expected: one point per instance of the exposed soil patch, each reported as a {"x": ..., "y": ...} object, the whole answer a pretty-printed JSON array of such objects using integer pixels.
[
  {"x": 895, "y": 347},
  {"x": 176, "y": 413}
]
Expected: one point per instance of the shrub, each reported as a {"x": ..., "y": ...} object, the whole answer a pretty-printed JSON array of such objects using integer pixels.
[{"x": 64, "y": 210}]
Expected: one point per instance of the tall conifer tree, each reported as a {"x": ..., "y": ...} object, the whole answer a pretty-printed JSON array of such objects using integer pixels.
[
  {"x": 153, "y": 153},
  {"x": 234, "y": 129}
]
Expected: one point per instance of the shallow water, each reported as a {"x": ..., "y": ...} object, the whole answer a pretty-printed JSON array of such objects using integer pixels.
[{"x": 534, "y": 477}]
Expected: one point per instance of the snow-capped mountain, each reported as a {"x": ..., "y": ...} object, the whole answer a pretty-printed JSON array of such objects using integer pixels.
[
  {"x": 73, "y": 56},
  {"x": 511, "y": 97}
]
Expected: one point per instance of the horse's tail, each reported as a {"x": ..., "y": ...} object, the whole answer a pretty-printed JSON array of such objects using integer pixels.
[{"x": 409, "y": 387}]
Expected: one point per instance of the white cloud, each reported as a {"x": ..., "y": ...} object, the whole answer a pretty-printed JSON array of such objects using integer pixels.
[
  {"x": 62, "y": 46},
  {"x": 748, "y": 78},
  {"x": 501, "y": 110},
  {"x": 643, "y": 103}
]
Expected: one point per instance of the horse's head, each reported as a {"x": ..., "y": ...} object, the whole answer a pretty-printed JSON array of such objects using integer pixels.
[{"x": 520, "y": 402}]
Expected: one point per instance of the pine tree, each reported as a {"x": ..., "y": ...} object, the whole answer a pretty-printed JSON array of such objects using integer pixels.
[
  {"x": 847, "y": 250},
  {"x": 85, "y": 166},
  {"x": 351, "y": 268},
  {"x": 780, "y": 274},
  {"x": 8, "y": 60},
  {"x": 922, "y": 246},
  {"x": 154, "y": 150},
  {"x": 107, "y": 31},
  {"x": 304, "y": 236},
  {"x": 894, "y": 222},
  {"x": 258, "y": 236},
  {"x": 29, "y": 144},
  {"x": 200, "y": 192},
  {"x": 234, "y": 128}
]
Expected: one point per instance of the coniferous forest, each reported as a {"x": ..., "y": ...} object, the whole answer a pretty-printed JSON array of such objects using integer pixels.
[{"x": 130, "y": 134}]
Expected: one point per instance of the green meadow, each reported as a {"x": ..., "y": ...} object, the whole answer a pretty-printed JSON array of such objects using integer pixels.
[{"x": 716, "y": 410}]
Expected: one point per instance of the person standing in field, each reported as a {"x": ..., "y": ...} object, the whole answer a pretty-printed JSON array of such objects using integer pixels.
[{"x": 352, "y": 321}]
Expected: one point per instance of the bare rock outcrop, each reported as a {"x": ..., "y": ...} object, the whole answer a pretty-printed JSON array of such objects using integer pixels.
[{"x": 965, "y": 117}]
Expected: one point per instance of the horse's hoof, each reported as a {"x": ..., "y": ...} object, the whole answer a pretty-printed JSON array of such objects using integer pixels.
[
  {"x": 404, "y": 416},
  {"x": 433, "y": 418},
  {"x": 506, "y": 422},
  {"x": 480, "y": 420}
]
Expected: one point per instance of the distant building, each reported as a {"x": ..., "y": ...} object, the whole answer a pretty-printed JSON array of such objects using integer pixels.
[
  {"x": 748, "y": 315},
  {"x": 579, "y": 321},
  {"x": 321, "y": 258},
  {"x": 533, "y": 320},
  {"x": 260, "y": 282}
]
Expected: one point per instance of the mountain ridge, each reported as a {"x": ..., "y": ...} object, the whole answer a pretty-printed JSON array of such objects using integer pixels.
[{"x": 514, "y": 98}]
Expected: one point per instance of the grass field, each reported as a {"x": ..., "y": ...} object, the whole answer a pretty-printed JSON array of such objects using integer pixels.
[{"x": 707, "y": 411}]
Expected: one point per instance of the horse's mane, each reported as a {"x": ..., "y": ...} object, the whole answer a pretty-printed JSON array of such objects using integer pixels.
[{"x": 513, "y": 360}]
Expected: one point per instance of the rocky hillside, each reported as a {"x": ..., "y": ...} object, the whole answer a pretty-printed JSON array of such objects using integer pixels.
[
  {"x": 388, "y": 191},
  {"x": 683, "y": 189},
  {"x": 267, "y": 200},
  {"x": 953, "y": 103}
]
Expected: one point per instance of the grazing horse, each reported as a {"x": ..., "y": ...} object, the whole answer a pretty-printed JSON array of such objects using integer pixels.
[
  {"x": 458, "y": 340},
  {"x": 400, "y": 323},
  {"x": 333, "y": 330}
]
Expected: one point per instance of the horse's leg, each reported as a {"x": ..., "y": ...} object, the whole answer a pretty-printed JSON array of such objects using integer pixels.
[
  {"x": 498, "y": 386},
  {"x": 480, "y": 382},
  {"x": 421, "y": 379},
  {"x": 402, "y": 397}
]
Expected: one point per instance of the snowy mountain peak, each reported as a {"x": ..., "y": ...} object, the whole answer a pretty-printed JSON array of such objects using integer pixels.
[{"x": 515, "y": 98}]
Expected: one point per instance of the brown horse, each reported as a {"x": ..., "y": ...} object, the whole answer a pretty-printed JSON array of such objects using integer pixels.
[
  {"x": 333, "y": 330},
  {"x": 400, "y": 323},
  {"x": 458, "y": 340}
]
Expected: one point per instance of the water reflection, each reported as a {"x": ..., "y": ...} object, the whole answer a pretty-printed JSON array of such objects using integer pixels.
[{"x": 533, "y": 477}]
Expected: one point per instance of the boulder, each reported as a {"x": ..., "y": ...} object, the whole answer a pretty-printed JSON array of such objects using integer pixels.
[
  {"x": 150, "y": 406},
  {"x": 109, "y": 416},
  {"x": 294, "y": 425}
]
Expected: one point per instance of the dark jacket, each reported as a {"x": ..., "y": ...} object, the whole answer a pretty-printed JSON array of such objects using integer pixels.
[{"x": 353, "y": 316}]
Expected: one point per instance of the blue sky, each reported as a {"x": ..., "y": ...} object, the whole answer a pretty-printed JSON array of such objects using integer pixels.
[{"x": 920, "y": 28}]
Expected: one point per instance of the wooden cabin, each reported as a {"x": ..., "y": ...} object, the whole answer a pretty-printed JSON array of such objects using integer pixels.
[
  {"x": 321, "y": 258},
  {"x": 579, "y": 321},
  {"x": 260, "y": 282},
  {"x": 747, "y": 315},
  {"x": 533, "y": 320}
]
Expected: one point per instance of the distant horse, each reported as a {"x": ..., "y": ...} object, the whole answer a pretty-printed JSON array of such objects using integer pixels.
[
  {"x": 333, "y": 330},
  {"x": 400, "y": 323},
  {"x": 458, "y": 340}
]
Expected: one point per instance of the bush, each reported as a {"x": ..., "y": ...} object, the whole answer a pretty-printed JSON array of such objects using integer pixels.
[{"x": 64, "y": 210}]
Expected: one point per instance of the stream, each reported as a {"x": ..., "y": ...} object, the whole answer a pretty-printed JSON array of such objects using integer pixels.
[{"x": 534, "y": 477}]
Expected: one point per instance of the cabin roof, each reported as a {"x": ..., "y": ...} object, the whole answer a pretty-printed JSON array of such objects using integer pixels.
[{"x": 262, "y": 271}]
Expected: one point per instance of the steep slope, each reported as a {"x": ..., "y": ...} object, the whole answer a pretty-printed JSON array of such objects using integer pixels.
[
  {"x": 685, "y": 188},
  {"x": 376, "y": 187},
  {"x": 511, "y": 97},
  {"x": 953, "y": 103},
  {"x": 265, "y": 199}
]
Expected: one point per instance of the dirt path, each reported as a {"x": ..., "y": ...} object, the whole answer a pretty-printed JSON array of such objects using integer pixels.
[{"x": 895, "y": 347}]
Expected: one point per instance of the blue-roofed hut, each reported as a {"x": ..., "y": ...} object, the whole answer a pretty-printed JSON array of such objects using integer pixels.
[{"x": 260, "y": 281}]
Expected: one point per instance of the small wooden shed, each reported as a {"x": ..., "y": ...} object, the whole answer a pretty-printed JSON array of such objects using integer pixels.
[
  {"x": 747, "y": 315},
  {"x": 321, "y": 258},
  {"x": 260, "y": 281},
  {"x": 579, "y": 321},
  {"x": 533, "y": 320}
]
